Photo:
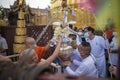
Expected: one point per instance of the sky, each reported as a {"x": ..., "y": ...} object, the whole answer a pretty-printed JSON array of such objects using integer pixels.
[{"x": 33, "y": 3}]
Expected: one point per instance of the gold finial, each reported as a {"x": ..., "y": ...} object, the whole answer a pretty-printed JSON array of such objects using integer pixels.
[{"x": 20, "y": 2}]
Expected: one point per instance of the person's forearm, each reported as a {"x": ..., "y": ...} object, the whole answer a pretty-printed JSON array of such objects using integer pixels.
[
  {"x": 69, "y": 71},
  {"x": 47, "y": 47},
  {"x": 52, "y": 57}
]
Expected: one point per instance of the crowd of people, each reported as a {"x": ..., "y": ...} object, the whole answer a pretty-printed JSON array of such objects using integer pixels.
[{"x": 88, "y": 57}]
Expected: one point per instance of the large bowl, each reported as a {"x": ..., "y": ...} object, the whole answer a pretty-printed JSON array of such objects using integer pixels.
[{"x": 65, "y": 53}]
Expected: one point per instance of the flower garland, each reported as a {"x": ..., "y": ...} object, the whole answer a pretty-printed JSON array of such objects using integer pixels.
[{"x": 60, "y": 31}]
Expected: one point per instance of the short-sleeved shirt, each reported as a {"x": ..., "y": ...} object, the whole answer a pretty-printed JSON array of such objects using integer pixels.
[
  {"x": 40, "y": 51},
  {"x": 3, "y": 45},
  {"x": 114, "y": 56},
  {"x": 98, "y": 46}
]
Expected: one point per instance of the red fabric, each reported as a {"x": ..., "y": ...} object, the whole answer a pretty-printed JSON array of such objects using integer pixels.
[{"x": 40, "y": 51}]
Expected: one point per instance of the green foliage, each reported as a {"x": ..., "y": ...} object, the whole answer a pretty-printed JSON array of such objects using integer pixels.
[{"x": 1, "y": 13}]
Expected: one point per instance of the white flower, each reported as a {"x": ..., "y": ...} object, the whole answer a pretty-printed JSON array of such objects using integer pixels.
[{"x": 60, "y": 31}]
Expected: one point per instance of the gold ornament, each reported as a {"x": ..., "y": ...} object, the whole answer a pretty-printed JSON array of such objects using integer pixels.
[
  {"x": 18, "y": 48},
  {"x": 20, "y": 15},
  {"x": 58, "y": 31},
  {"x": 20, "y": 31},
  {"x": 21, "y": 23},
  {"x": 20, "y": 39}
]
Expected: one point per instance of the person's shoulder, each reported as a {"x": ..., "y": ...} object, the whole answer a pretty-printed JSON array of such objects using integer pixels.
[
  {"x": 99, "y": 37},
  {"x": 39, "y": 46},
  {"x": 2, "y": 38},
  {"x": 74, "y": 51},
  {"x": 88, "y": 61},
  {"x": 77, "y": 62}
]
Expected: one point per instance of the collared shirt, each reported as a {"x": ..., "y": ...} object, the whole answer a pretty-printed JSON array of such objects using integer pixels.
[
  {"x": 98, "y": 46},
  {"x": 86, "y": 67}
]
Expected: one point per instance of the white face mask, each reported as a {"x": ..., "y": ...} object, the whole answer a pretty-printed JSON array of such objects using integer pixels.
[
  {"x": 80, "y": 33},
  {"x": 86, "y": 35}
]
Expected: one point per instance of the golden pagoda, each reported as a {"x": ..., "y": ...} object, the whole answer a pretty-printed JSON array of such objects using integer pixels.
[{"x": 75, "y": 13}]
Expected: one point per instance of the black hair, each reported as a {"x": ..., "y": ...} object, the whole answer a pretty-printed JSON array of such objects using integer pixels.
[
  {"x": 71, "y": 26},
  {"x": 89, "y": 28},
  {"x": 87, "y": 46}
]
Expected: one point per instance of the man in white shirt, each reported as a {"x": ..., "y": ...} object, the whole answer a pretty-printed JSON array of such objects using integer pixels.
[
  {"x": 98, "y": 46},
  {"x": 3, "y": 46},
  {"x": 87, "y": 66},
  {"x": 114, "y": 50}
]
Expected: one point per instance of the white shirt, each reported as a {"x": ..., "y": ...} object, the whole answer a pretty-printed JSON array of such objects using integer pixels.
[
  {"x": 98, "y": 46},
  {"x": 114, "y": 56},
  {"x": 86, "y": 67},
  {"x": 3, "y": 44},
  {"x": 75, "y": 55}
]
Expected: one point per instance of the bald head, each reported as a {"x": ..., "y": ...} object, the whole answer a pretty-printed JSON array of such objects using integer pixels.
[{"x": 29, "y": 41}]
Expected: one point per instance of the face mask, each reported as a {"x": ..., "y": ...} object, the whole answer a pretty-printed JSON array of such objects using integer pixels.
[
  {"x": 80, "y": 33},
  {"x": 86, "y": 35}
]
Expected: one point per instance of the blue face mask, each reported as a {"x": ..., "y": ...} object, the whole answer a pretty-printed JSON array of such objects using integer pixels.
[{"x": 86, "y": 35}]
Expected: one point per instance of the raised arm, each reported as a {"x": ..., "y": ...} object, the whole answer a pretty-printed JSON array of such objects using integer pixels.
[
  {"x": 53, "y": 56},
  {"x": 48, "y": 45}
]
